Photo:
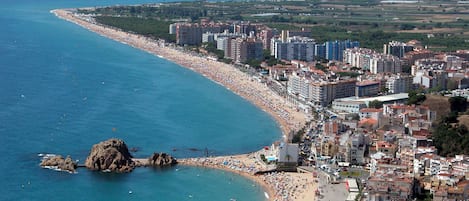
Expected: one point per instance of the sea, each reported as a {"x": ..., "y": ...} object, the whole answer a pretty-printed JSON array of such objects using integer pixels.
[{"x": 64, "y": 88}]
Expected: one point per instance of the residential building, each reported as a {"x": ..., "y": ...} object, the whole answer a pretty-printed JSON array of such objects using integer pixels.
[
  {"x": 399, "y": 84},
  {"x": 265, "y": 36},
  {"x": 295, "y": 48},
  {"x": 431, "y": 79},
  {"x": 367, "y": 88},
  {"x": 368, "y": 59},
  {"x": 191, "y": 34},
  {"x": 335, "y": 49},
  {"x": 356, "y": 147},
  {"x": 244, "y": 49},
  {"x": 397, "y": 49},
  {"x": 324, "y": 92},
  {"x": 385, "y": 64}
]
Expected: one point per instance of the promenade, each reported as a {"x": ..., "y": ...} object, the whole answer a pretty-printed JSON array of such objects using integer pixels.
[{"x": 279, "y": 186}]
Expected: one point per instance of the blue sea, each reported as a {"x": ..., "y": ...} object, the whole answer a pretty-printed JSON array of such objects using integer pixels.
[{"x": 64, "y": 88}]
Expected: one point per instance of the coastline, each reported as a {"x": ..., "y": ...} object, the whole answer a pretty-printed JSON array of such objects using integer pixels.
[
  {"x": 224, "y": 74},
  {"x": 287, "y": 117},
  {"x": 283, "y": 186}
]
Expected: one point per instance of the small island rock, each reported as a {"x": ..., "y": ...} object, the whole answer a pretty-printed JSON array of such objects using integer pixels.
[
  {"x": 161, "y": 160},
  {"x": 59, "y": 163},
  {"x": 110, "y": 155}
]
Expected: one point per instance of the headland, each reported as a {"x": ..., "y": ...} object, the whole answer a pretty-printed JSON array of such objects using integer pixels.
[{"x": 279, "y": 186}]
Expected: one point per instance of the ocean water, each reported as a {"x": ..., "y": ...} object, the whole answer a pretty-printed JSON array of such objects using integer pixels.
[{"x": 63, "y": 89}]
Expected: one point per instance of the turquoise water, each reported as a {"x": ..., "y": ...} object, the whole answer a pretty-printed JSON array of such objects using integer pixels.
[{"x": 63, "y": 89}]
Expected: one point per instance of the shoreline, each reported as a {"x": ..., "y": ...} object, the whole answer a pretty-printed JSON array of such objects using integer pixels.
[
  {"x": 287, "y": 118},
  {"x": 278, "y": 186},
  {"x": 267, "y": 189},
  {"x": 223, "y": 74}
]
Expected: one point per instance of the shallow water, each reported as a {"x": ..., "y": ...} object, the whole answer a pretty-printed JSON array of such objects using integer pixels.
[{"x": 63, "y": 89}]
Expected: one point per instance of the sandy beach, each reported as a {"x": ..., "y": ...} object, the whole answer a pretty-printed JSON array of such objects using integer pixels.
[{"x": 279, "y": 186}]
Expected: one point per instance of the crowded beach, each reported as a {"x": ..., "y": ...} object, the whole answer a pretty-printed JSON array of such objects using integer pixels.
[{"x": 279, "y": 186}]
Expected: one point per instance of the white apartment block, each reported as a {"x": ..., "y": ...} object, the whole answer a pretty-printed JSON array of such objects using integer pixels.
[{"x": 370, "y": 60}]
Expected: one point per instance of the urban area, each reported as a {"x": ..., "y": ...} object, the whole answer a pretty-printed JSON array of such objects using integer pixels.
[{"x": 386, "y": 124}]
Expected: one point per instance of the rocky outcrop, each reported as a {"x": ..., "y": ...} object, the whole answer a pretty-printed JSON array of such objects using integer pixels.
[
  {"x": 161, "y": 160},
  {"x": 111, "y": 155},
  {"x": 59, "y": 163}
]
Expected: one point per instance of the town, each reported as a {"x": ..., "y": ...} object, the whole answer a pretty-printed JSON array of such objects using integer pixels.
[{"x": 387, "y": 124}]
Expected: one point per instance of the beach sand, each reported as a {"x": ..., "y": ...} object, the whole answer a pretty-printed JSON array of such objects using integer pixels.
[
  {"x": 280, "y": 186},
  {"x": 289, "y": 119}
]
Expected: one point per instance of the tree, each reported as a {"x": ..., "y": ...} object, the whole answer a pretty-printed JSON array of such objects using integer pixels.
[
  {"x": 320, "y": 67},
  {"x": 375, "y": 104},
  {"x": 416, "y": 97},
  {"x": 254, "y": 63},
  {"x": 458, "y": 104},
  {"x": 384, "y": 90}
]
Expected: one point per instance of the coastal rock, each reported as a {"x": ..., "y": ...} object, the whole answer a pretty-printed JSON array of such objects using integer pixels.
[
  {"x": 111, "y": 155},
  {"x": 161, "y": 160},
  {"x": 59, "y": 163}
]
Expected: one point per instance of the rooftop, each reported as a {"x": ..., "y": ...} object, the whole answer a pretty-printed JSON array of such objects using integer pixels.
[{"x": 387, "y": 98}]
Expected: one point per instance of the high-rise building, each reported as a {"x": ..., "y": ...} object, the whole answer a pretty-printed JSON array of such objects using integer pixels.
[
  {"x": 385, "y": 64},
  {"x": 292, "y": 33},
  {"x": 397, "y": 49},
  {"x": 367, "y": 59},
  {"x": 244, "y": 49},
  {"x": 265, "y": 36},
  {"x": 191, "y": 34},
  {"x": 296, "y": 48},
  {"x": 320, "y": 51},
  {"x": 399, "y": 84},
  {"x": 324, "y": 92},
  {"x": 358, "y": 57},
  {"x": 299, "y": 86},
  {"x": 335, "y": 49},
  {"x": 367, "y": 88}
]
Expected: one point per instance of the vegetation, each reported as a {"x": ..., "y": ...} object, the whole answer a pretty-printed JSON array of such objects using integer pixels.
[
  {"x": 263, "y": 158},
  {"x": 149, "y": 27},
  {"x": 375, "y": 104},
  {"x": 416, "y": 97},
  {"x": 450, "y": 137},
  {"x": 211, "y": 47},
  {"x": 348, "y": 174},
  {"x": 451, "y": 140},
  {"x": 297, "y": 137},
  {"x": 348, "y": 74},
  {"x": 458, "y": 104}
]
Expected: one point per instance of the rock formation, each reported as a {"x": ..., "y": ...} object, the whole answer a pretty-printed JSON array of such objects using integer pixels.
[
  {"x": 161, "y": 160},
  {"x": 111, "y": 155},
  {"x": 59, "y": 163}
]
